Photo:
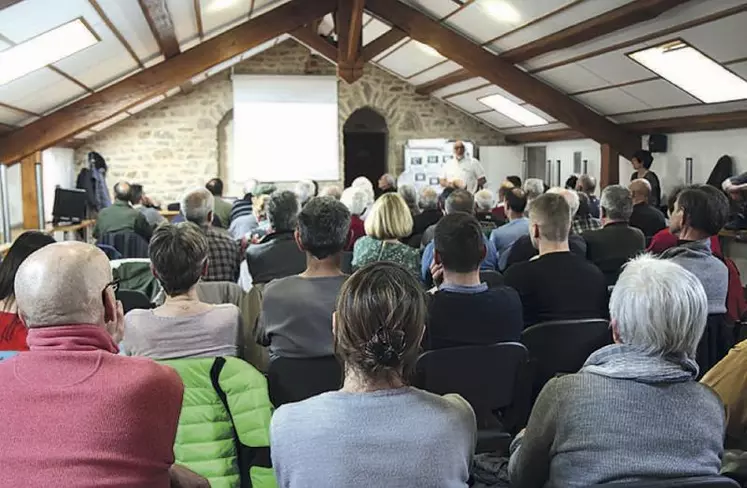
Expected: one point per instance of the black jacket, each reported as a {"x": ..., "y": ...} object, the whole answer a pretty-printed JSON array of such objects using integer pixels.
[
  {"x": 647, "y": 218},
  {"x": 612, "y": 246}
]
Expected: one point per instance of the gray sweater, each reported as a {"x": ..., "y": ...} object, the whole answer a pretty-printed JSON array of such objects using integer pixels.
[
  {"x": 696, "y": 257},
  {"x": 389, "y": 438},
  {"x": 587, "y": 429}
]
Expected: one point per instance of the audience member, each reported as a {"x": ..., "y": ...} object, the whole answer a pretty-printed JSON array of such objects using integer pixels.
[
  {"x": 460, "y": 204},
  {"x": 75, "y": 413},
  {"x": 143, "y": 204},
  {"x": 224, "y": 255},
  {"x": 514, "y": 180},
  {"x": 571, "y": 182},
  {"x": 664, "y": 239},
  {"x": 641, "y": 162},
  {"x": 583, "y": 221},
  {"x": 634, "y": 411},
  {"x": 305, "y": 190},
  {"x": 559, "y": 284},
  {"x": 503, "y": 237},
  {"x": 356, "y": 201},
  {"x": 613, "y": 245},
  {"x": 222, "y": 208},
  {"x": 410, "y": 195},
  {"x": 460, "y": 201},
  {"x": 499, "y": 212},
  {"x": 463, "y": 310},
  {"x": 277, "y": 255},
  {"x": 243, "y": 206},
  {"x": 484, "y": 205},
  {"x": 243, "y": 216},
  {"x": 347, "y": 437},
  {"x": 430, "y": 214},
  {"x": 645, "y": 217},
  {"x": 121, "y": 216},
  {"x": 333, "y": 191},
  {"x": 699, "y": 213},
  {"x": 533, "y": 187},
  {"x": 523, "y": 249},
  {"x": 728, "y": 379},
  {"x": 588, "y": 185},
  {"x": 463, "y": 171},
  {"x": 12, "y": 330},
  {"x": 296, "y": 317},
  {"x": 388, "y": 222},
  {"x": 387, "y": 184},
  {"x": 183, "y": 327}
]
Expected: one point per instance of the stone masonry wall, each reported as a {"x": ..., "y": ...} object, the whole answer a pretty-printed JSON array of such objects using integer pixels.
[{"x": 175, "y": 144}]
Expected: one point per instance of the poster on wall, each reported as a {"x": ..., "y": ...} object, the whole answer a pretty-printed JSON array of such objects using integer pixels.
[{"x": 425, "y": 159}]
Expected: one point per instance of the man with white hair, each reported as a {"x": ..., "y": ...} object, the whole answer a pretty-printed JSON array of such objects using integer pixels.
[
  {"x": 557, "y": 285},
  {"x": 305, "y": 190},
  {"x": 365, "y": 184},
  {"x": 484, "y": 204},
  {"x": 224, "y": 256},
  {"x": 588, "y": 185},
  {"x": 387, "y": 184},
  {"x": 463, "y": 171},
  {"x": 430, "y": 213},
  {"x": 645, "y": 216},
  {"x": 75, "y": 413},
  {"x": 333, "y": 191},
  {"x": 533, "y": 187}
]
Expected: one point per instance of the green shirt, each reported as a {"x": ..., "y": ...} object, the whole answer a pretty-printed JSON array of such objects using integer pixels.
[
  {"x": 369, "y": 250},
  {"x": 121, "y": 216},
  {"x": 222, "y": 210}
]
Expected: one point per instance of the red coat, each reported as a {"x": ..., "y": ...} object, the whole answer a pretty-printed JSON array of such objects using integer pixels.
[{"x": 357, "y": 230}]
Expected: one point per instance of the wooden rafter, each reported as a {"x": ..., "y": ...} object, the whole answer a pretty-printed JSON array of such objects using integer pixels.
[
  {"x": 455, "y": 77},
  {"x": 382, "y": 43},
  {"x": 159, "y": 20},
  {"x": 349, "y": 21},
  {"x": 8, "y": 3},
  {"x": 115, "y": 31},
  {"x": 316, "y": 42},
  {"x": 158, "y": 79},
  {"x": 482, "y": 63}
]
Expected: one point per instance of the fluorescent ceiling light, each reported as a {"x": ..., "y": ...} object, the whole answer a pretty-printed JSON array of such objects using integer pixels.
[
  {"x": 513, "y": 110},
  {"x": 500, "y": 10},
  {"x": 427, "y": 49},
  {"x": 693, "y": 71},
  {"x": 218, "y": 5},
  {"x": 45, "y": 49}
]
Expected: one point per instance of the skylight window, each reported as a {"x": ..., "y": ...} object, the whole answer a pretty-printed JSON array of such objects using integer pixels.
[
  {"x": 693, "y": 71},
  {"x": 500, "y": 10},
  {"x": 45, "y": 49},
  {"x": 513, "y": 110}
]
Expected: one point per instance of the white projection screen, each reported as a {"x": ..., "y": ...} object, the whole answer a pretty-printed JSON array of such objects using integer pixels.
[{"x": 285, "y": 128}]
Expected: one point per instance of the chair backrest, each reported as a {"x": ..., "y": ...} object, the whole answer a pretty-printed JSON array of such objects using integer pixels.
[
  {"x": 132, "y": 299},
  {"x": 128, "y": 243},
  {"x": 110, "y": 251},
  {"x": 485, "y": 376},
  {"x": 695, "y": 482},
  {"x": 346, "y": 262},
  {"x": 492, "y": 278},
  {"x": 295, "y": 379},
  {"x": 562, "y": 346}
]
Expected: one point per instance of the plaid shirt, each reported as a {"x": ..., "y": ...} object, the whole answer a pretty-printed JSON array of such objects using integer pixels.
[
  {"x": 588, "y": 223},
  {"x": 224, "y": 256}
]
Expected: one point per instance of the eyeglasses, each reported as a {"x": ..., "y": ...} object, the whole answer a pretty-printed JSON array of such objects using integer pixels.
[{"x": 114, "y": 284}]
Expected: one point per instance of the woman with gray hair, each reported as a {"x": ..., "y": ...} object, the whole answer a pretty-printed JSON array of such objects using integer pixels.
[
  {"x": 634, "y": 411},
  {"x": 410, "y": 195},
  {"x": 356, "y": 200}
]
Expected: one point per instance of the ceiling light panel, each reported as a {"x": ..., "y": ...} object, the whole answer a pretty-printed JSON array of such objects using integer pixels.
[{"x": 513, "y": 110}]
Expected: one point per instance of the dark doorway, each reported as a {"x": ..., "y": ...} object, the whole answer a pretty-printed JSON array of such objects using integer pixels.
[{"x": 365, "y": 137}]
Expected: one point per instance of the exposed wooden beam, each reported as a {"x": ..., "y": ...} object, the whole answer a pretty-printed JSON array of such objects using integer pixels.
[
  {"x": 159, "y": 20},
  {"x": 482, "y": 63},
  {"x": 158, "y": 79},
  {"x": 115, "y": 31},
  {"x": 8, "y": 3},
  {"x": 316, "y": 42},
  {"x": 349, "y": 20},
  {"x": 545, "y": 136},
  {"x": 4, "y": 128},
  {"x": 444, "y": 81},
  {"x": 29, "y": 207},
  {"x": 382, "y": 43},
  {"x": 609, "y": 166},
  {"x": 629, "y": 14}
]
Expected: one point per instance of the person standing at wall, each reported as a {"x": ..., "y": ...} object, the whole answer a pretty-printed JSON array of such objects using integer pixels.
[{"x": 463, "y": 168}]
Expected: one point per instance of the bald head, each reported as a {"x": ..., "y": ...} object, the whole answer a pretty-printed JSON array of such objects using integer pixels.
[
  {"x": 640, "y": 189},
  {"x": 63, "y": 284},
  {"x": 123, "y": 191}
]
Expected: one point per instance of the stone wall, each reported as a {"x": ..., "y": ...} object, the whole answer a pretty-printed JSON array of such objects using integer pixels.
[{"x": 181, "y": 141}]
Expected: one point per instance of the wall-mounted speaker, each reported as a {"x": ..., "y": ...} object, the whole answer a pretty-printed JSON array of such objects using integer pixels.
[{"x": 657, "y": 143}]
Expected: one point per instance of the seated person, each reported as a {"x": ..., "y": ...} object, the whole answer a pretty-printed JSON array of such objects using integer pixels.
[
  {"x": 645, "y": 216},
  {"x": 296, "y": 317},
  {"x": 305, "y": 190},
  {"x": 347, "y": 437},
  {"x": 75, "y": 413},
  {"x": 699, "y": 213},
  {"x": 183, "y": 327},
  {"x": 583, "y": 219},
  {"x": 197, "y": 206},
  {"x": 243, "y": 217},
  {"x": 499, "y": 211},
  {"x": 410, "y": 195},
  {"x": 143, "y": 204},
  {"x": 459, "y": 201},
  {"x": 121, "y": 216},
  {"x": 390, "y": 220},
  {"x": 523, "y": 249},
  {"x": 277, "y": 255},
  {"x": 262, "y": 227},
  {"x": 728, "y": 379},
  {"x": 12, "y": 330},
  {"x": 221, "y": 208},
  {"x": 514, "y": 204},
  {"x": 587, "y": 185},
  {"x": 613, "y": 245},
  {"x": 386, "y": 184},
  {"x": 430, "y": 213},
  {"x": 557, "y": 285},
  {"x": 462, "y": 203},
  {"x": 333, "y": 191},
  {"x": 484, "y": 204},
  {"x": 355, "y": 200},
  {"x": 634, "y": 412},
  {"x": 465, "y": 311}
]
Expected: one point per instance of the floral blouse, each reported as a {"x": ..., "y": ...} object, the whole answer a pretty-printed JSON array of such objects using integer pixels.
[{"x": 369, "y": 250}]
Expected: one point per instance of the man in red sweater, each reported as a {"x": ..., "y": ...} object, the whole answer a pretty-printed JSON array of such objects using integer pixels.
[{"x": 74, "y": 413}]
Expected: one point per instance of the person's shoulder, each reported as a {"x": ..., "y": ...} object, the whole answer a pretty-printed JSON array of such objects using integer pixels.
[
  {"x": 279, "y": 285},
  {"x": 519, "y": 270},
  {"x": 503, "y": 293},
  {"x": 451, "y": 405},
  {"x": 294, "y": 414},
  {"x": 137, "y": 315},
  {"x": 149, "y": 377},
  {"x": 227, "y": 309}
]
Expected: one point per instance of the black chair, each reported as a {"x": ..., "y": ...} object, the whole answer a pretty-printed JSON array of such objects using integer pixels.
[
  {"x": 696, "y": 482},
  {"x": 714, "y": 345},
  {"x": 493, "y": 379},
  {"x": 346, "y": 263},
  {"x": 132, "y": 299},
  {"x": 492, "y": 278},
  {"x": 414, "y": 240},
  {"x": 562, "y": 346},
  {"x": 292, "y": 380},
  {"x": 128, "y": 243}
]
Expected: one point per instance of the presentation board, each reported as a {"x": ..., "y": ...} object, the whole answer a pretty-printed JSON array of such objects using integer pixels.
[
  {"x": 425, "y": 159},
  {"x": 285, "y": 128}
]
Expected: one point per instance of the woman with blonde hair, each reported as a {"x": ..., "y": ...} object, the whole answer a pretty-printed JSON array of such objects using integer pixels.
[{"x": 389, "y": 221}]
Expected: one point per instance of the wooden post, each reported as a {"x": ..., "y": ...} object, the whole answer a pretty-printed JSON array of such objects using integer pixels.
[
  {"x": 610, "y": 170},
  {"x": 28, "y": 189}
]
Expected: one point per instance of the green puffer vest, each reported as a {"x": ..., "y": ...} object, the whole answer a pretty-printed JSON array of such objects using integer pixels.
[{"x": 224, "y": 426}]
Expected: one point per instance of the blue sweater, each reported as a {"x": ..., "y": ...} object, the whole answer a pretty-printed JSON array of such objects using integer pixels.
[{"x": 489, "y": 263}]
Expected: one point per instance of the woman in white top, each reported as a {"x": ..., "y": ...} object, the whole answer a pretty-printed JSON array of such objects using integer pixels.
[
  {"x": 376, "y": 430},
  {"x": 183, "y": 327}
]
